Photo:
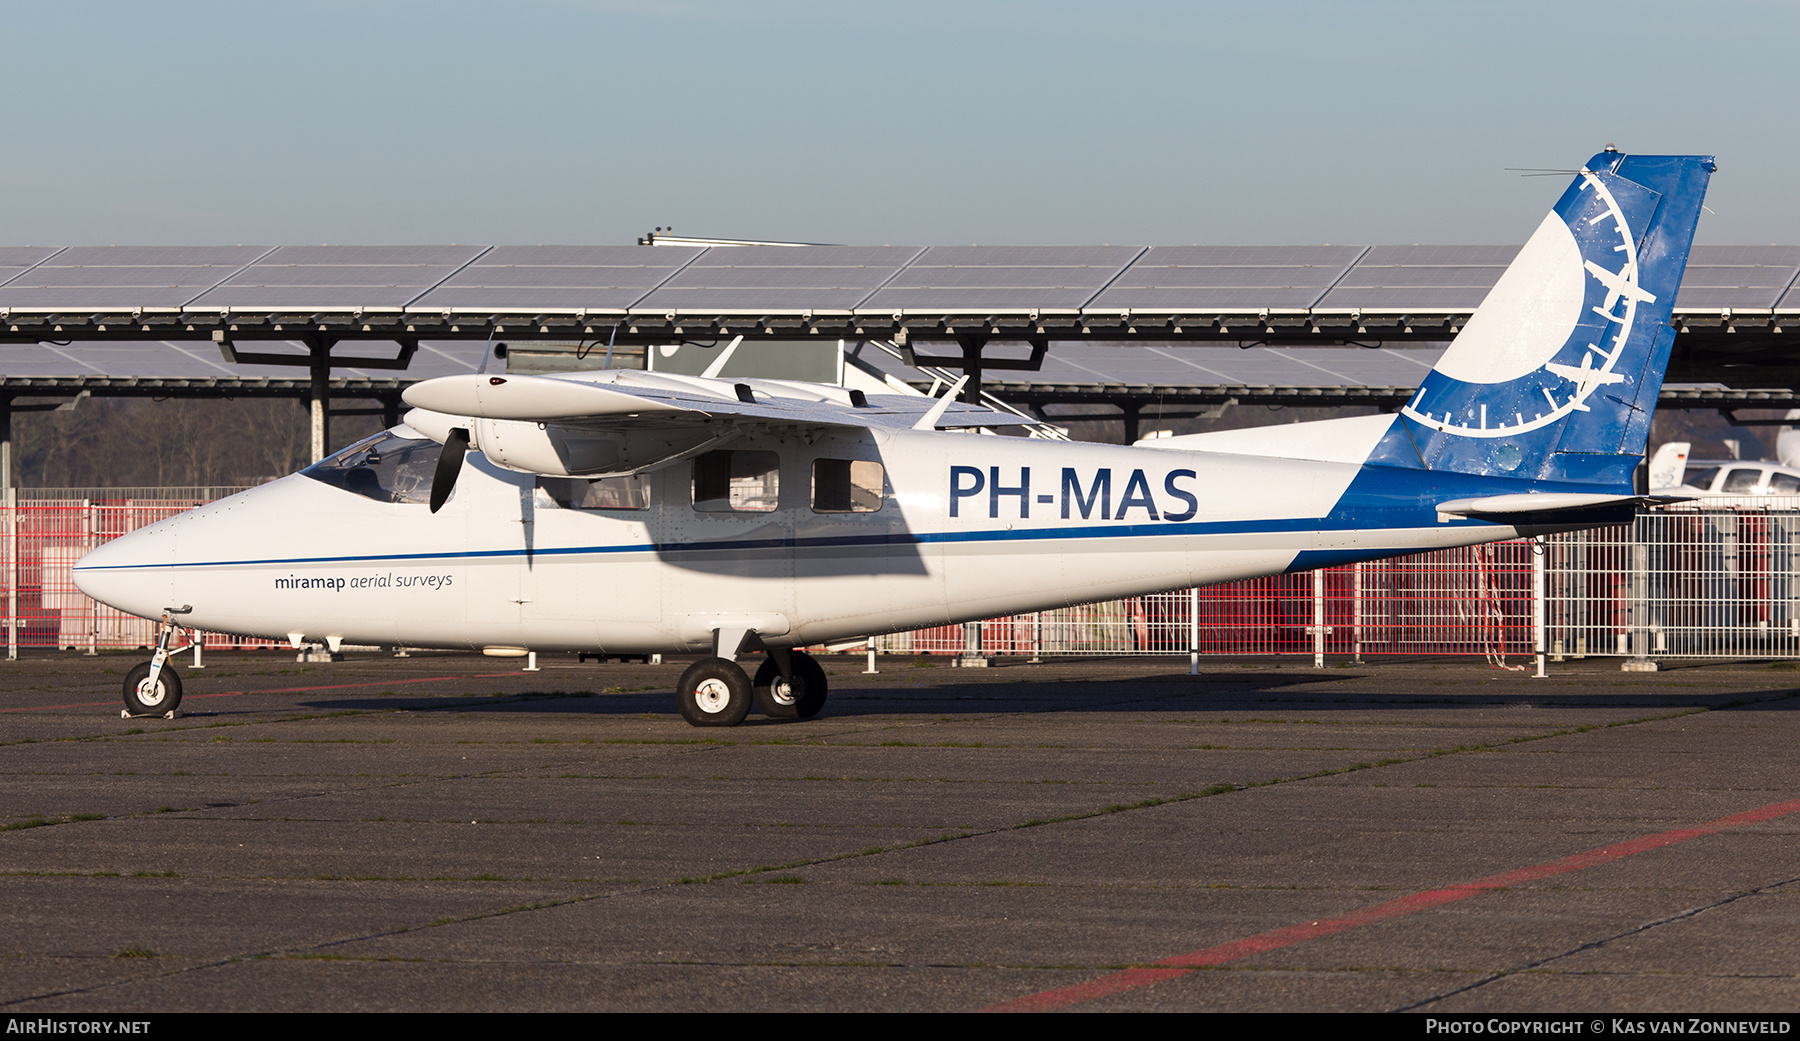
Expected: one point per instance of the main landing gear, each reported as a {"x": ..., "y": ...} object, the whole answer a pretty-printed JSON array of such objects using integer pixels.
[
  {"x": 716, "y": 692},
  {"x": 153, "y": 688}
]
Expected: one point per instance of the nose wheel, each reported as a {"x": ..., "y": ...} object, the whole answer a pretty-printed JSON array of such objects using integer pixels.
[
  {"x": 147, "y": 697},
  {"x": 152, "y": 688}
]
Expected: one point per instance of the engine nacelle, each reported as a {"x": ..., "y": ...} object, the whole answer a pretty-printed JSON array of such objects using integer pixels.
[{"x": 555, "y": 450}]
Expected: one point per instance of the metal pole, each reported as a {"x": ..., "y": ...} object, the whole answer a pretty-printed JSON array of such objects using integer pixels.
[
  {"x": 320, "y": 397},
  {"x": 91, "y": 539},
  {"x": 1356, "y": 633},
  {"x": 12, "y": 565},
  {"x": 1194, "y": 631},
  {"x": 1539, "y": 548},
  {"x": 1638, "y": 607},
  {"x": 11, "y": 501},
  {"x": 1318, "y": 618},
  {"x": 871, "y": 670}
]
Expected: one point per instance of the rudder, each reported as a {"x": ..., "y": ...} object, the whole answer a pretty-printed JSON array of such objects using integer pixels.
[{"x": 1556, "y": 376}]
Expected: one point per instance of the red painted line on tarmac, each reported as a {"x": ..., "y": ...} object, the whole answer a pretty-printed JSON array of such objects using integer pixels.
[
  {"x": 277, "y": 690},
  {"x": 1182, "y": 964}
]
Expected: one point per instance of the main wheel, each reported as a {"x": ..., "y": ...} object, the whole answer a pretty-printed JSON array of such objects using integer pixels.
[
  {"x": 714, "y": 693},
  {"x": 141, "y": 699},
  {"x": 802, "y": 699},
  {"x": 775, "y": 697},
  {"x": 811, "y": 678}
]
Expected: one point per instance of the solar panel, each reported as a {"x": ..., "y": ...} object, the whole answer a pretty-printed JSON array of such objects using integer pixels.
[
  {"x": 1420, "y": 278},
  {"x": 1196, "y": 278},
  {"x": 1114, "y": 364},
  {"x": 779, "y": 278},
  {"x": 1752, "y": 277},
  {"x": 333, "y": 277},
  {"x": 1012, "y": 278},
  {"x": 123, "y": 277},
  {"x": 559, "y": 278}
]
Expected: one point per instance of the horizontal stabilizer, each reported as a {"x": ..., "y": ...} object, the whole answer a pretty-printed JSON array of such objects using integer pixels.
[{"x": 1549, "y": 502}]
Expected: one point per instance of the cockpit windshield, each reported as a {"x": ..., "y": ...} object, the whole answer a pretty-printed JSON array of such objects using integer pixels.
[{"x": 386, "y": 468}]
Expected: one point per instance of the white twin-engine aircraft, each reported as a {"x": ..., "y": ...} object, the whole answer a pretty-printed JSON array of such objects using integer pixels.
[{"x": 635, "y": 512}]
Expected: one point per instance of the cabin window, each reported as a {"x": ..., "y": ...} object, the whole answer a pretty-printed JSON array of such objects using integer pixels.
[
  {"x": 846, "y": 486},
  {"x": 1740, "y": 482},
  {"x": 600, "y": 493},
  {"x": 737, "y": 482},
  {"x": 386, "y": 468},
  {"x": 1701, "y": 479}
]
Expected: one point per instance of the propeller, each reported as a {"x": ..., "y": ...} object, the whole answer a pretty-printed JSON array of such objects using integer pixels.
[{"x": 449, "y": 466}]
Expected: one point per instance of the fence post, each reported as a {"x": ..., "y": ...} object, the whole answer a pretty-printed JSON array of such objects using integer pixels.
[
  {"x": 12, "y": 572},
  {"x": 1356, "y": 632},
  {"x": 1538, "y": 614},
  {"x": 1194, "y": 631},
  {"x": 1638, "y": 607},
  {"x": 1318, "y": 625},
  {"x": 90, "y": 538}
]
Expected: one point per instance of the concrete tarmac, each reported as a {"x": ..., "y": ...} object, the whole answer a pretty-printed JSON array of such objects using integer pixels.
[{"x": 446, "y": 832}]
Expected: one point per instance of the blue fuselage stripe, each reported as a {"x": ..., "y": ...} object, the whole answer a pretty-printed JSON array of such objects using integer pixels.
[{"x": 1115, "y": 531}]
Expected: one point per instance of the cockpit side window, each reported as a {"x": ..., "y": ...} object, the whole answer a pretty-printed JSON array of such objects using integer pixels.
[
  {"x": 1701, "y": 479},
  {"x": 386, "y": 468},
  {"x": 1740, "y": 481}
]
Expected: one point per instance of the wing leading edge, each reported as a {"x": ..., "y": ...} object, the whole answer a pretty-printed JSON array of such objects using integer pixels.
[{"x": 618, "y": 398}]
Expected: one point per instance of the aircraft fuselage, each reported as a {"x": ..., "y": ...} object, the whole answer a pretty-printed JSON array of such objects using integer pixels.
[{"x": 965, "y": 527}]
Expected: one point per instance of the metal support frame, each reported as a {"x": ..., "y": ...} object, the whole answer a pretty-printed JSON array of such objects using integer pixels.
[{"x": 319, "y": 399}]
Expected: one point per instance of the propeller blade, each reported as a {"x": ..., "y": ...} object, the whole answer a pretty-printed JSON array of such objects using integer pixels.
[{"x": 449, "y": 466}]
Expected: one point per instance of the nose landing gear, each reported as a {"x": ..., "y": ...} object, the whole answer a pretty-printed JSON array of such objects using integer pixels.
[{"x": 153, "y": 688}]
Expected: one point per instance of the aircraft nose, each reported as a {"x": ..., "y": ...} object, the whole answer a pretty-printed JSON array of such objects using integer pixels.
[{"x": 133, "y": 572}]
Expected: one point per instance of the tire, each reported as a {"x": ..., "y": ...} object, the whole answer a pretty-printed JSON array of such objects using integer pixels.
[
  {"x": 140, "y": 700},
  {"x": 809, "y": 675},
  {"x": 776, "y": 697},
  {"x": 714, "y": 693}
]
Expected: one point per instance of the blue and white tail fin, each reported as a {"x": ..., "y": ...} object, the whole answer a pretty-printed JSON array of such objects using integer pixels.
[{"x": 1555, "y": 377}]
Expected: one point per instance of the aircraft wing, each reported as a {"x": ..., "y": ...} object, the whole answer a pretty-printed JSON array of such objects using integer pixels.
[{"x": 618, "y": 399}]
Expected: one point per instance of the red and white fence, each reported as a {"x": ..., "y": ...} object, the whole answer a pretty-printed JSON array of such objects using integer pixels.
[{"x": 1718, "y": 580}]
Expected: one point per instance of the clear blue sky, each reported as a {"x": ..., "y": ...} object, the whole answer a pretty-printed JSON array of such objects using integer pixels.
[{"x": 915, "y": 122}]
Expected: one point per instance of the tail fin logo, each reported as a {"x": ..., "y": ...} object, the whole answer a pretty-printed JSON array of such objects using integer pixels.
[{"x": 1555, "y": 328}]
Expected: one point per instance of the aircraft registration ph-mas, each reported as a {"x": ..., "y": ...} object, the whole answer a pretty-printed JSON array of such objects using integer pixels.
[{"x": 637, "y": 512}]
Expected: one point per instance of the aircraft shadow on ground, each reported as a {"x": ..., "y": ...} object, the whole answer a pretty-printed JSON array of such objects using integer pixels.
[{"x": 1177, "y": 693}]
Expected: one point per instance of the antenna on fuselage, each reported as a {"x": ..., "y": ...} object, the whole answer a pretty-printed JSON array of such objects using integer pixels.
[
  {"x": 487, "y": 352},
  {"x": 928, "y": 421},
  {"x": 718, "y": 364}
]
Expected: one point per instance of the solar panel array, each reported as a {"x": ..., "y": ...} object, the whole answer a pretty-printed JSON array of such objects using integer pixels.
[
  {"x": 1741, "y": 278},
  {"x": 727, "y": 280}
]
